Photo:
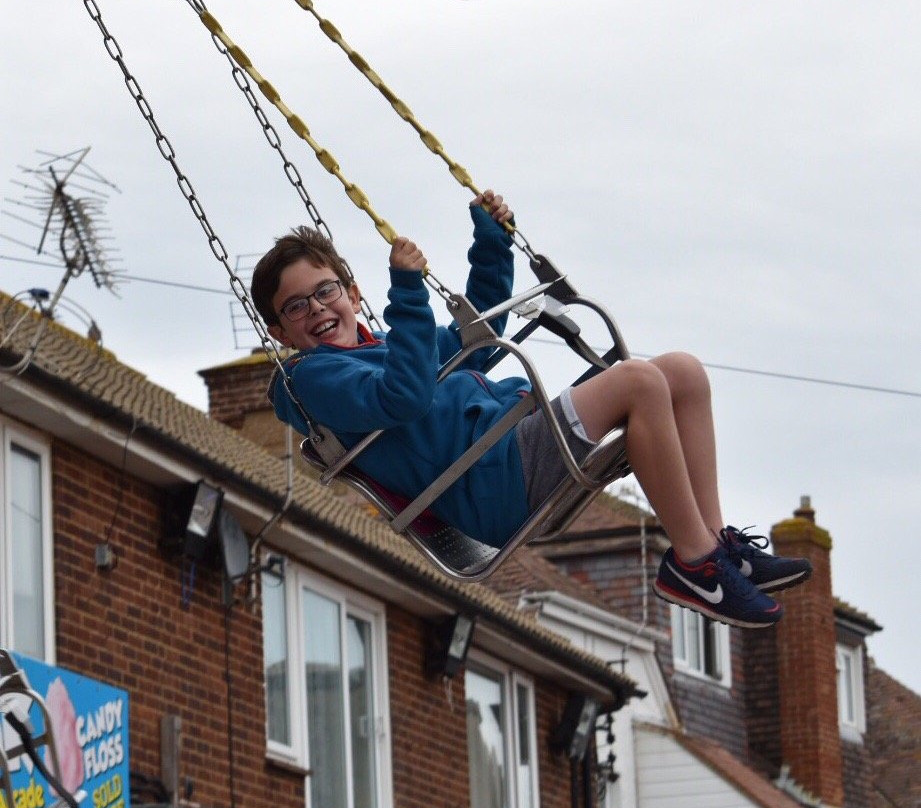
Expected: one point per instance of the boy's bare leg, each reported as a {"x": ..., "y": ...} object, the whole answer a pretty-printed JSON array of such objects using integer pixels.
[
  {"x": 690, "y": 391},
  {"x": 638, "y": 392}
]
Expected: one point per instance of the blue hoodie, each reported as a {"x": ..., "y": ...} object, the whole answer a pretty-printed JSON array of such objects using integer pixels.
[{"x": 388, "y": 381}]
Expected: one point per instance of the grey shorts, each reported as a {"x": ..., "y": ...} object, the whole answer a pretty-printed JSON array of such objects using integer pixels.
[{"x": 540, "y": 458}]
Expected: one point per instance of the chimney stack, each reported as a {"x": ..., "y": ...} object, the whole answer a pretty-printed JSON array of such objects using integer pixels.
[
  {"x": 237, "y": 397},
  {"x": 809, "y": 734}
]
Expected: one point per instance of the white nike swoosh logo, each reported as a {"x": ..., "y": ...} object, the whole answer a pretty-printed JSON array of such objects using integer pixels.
[
  {"x": 712, "y": 597},
  {"x": 746, "y": 568}
]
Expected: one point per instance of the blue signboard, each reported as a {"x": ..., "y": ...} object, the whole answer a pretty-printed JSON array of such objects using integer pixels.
[{"x": 90, "y": 723}]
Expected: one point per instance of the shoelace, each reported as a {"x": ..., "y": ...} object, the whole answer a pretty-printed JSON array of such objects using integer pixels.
[{"x": 732, "y": 537}]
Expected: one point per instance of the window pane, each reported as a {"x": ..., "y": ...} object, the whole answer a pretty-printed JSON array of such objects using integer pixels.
[
  {"x": 678, "y": 638},
  {"x": 325, "y": 701},
  {"x": 361, "y": 713},
  {"x": 486, "y": 740},
  {"x": 27, "y": 573},
  {"x": 275, "y": 652},
  {"x": 711, "y": 648},
  {"x": 526, "y": 761},
  {"x": 847, "y": 692},
  {"x": 692, "y": 622}
]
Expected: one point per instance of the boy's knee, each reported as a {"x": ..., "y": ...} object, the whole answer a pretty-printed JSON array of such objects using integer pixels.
[
  {"x": 683, "y": 372},
  {"x": 643, "y": 377}
]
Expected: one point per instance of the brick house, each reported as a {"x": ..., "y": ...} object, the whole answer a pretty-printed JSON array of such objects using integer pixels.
[
  {"x": 325, "y": 689},
  {"x": 799, "y": 705}
]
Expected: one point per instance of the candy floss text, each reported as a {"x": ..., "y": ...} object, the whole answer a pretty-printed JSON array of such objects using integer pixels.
[{"x": 100, "y": 737}]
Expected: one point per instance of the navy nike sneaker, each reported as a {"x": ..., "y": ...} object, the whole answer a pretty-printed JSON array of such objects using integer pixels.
[
  {"x": 768, "y": 572},
  {"x": 715, "y": 588}
]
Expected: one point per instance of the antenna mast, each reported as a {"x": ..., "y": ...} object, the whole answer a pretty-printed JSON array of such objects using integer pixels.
[{"x": 63, "y": 200}]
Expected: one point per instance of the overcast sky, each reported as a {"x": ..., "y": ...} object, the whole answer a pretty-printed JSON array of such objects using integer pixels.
[{"x": 736, "y": 180}]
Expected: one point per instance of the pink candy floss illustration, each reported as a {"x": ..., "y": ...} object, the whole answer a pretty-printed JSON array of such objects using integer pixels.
[{"x": 64, "y": 724}]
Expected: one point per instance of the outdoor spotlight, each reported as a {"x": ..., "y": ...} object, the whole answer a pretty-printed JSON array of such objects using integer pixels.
[
  {"x": 193, "y": 515},
  {"x": 575, "y": 729},
  {"x": 448, "y": 645}
]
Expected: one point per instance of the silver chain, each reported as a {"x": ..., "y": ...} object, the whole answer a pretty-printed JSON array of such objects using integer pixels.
[
  {"x": 185, "y": 186},
  {"x": 290, "y": 169}
]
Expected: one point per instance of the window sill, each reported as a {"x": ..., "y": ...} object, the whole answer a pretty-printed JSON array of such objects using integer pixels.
[{"x": 288, "y": 764}]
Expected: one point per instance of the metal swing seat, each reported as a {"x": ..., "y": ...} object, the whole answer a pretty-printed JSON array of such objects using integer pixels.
[
  {"x": 457, "y": 555},
  {"x": 454, "y": 553}
]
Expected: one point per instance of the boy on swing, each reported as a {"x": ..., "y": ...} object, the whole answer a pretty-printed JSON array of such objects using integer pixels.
[{"x": 354, "y": 381}]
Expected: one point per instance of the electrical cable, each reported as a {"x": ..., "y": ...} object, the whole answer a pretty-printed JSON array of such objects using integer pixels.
[
  {"x": 869, "y": 388},
  {"x": 776, "y": 375}
]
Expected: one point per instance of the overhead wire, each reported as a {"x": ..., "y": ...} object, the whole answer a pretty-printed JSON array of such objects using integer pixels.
[{"x": 793, "y": 377}]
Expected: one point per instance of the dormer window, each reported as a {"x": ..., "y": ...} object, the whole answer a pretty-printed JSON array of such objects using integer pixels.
[
  {"x": 700, "y": 646},
  {"x": 851, "y": 713}
]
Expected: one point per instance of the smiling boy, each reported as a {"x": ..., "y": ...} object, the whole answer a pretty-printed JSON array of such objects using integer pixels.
[{"x": 354, "y": 381}]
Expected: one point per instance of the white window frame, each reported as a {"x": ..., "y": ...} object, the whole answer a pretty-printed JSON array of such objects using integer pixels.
[
  {"x": 16, "y": 435},
  {"x": 719, "y": 632},
  {"x": 512, "y": 679},
  {"x": 852, "y": 720},
  {"x": 296, "y": 755}
]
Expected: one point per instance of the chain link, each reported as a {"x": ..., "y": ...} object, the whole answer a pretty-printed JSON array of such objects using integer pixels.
[
  {"x": 185, "y": 186},
  {"x": 431, "y": 142},
  {"x": 325, "y": 158},
  {"x": 290, "y": 169}
]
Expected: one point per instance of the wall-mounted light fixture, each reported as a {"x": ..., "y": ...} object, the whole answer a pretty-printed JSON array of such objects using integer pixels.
[
  {"x": 448, "y": 644},
  {"x": 192, "y": 516},
  {"x": 575, "y": 729}
]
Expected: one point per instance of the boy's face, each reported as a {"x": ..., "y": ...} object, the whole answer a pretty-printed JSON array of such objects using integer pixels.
[{"x": 332, "y": 323}]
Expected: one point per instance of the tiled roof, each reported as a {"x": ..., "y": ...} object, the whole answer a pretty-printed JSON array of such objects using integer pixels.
[
  {"x": 526, "y": 572},
  {"x": 79, "y": 369},
  {"x": 852, "y": 613},
  {"x": 607, "y": 512}
]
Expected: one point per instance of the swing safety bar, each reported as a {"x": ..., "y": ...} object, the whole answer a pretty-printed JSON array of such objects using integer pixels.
[{"x": 454, "y": 553}]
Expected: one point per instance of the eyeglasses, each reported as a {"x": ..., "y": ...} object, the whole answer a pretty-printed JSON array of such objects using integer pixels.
[{"x": 299, "y": 308}]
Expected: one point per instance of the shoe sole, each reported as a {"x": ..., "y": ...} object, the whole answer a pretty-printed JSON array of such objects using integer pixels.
[
  {"x": 785, "y": 583},
  {"x": 696, "y": 606}
]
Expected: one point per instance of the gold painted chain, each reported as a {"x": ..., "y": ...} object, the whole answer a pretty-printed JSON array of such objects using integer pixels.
[
  {"x": 324, "y": 156},
  {"x": 431, "y": 142},
  {"x": 291, "y": 171}
]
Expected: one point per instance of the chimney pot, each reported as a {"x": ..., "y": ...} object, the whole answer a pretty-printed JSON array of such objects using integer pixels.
[{"x": 805, "y": 509}]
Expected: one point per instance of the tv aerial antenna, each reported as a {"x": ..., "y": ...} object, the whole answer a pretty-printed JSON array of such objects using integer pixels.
[
  {"x": 63, "y": 201},
  {"x": 245, "y": 337}
]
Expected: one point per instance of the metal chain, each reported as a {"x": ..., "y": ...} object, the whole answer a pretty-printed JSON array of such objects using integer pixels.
[
  {"x": 431, "y": 142},
  {"x": 325, "y": 157},
  {"x": 185, "y": 186},
  {"x": 291, "y": 171}
]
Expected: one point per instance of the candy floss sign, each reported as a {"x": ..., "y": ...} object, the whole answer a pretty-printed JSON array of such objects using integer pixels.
[{"x": 90, "y": 723}]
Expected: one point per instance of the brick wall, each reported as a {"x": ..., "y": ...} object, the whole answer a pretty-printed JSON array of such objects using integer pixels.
[
  {"x": 422, "y": 719},
  {"x": 761, "y": 699},
  {"x": 127, "y": 627},
  {"x": 806, "y": 674},
  {"x": 238, "y": 388}
]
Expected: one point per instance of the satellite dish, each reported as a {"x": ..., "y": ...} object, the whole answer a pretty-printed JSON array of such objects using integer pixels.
[{"x": 234, "y": 546}]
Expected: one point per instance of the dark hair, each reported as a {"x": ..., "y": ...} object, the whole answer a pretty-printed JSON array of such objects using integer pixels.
[{"x": 301, "y": 242}]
